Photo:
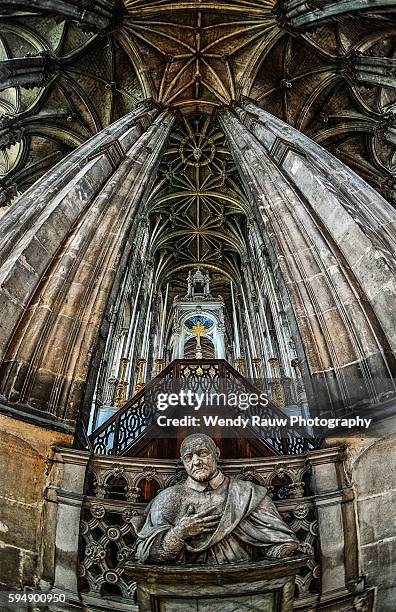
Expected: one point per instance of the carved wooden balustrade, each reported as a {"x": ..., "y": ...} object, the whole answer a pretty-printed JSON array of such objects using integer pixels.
[{"x": 125, "y": 427}]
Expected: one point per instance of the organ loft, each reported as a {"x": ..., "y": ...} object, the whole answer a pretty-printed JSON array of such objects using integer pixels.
[{"x": 197, "y": 195}]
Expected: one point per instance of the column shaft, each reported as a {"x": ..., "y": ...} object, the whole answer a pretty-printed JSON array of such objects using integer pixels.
[
  {"x": 34, "y": 228},
  {"x": 361, "y": 222},
  {"x": 49, "y": 353},
  {"x": 303, "y": 220},
  {"x": 305, "y": 13}
]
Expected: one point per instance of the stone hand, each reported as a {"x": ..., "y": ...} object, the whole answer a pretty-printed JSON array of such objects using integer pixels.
[{"x": 196, "y": 524}]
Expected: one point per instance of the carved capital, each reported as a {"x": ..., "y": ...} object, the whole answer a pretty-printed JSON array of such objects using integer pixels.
[
  {"x": 8, "y": 191},
  {"x": 349, "y": 62},
  {"x": 386, "y": 123},
  {"x": 388, "y": 187},
  {"x": 10, "y": 137}
]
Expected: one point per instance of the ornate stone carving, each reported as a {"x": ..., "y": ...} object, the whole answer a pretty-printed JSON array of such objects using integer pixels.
[
  {"x": 301, "y": 511},
  {"x": 95, "y": 551},
  {"x": 9, "y": 136},
  {"x": 198, "y": 528},
  {"x": 148, "y": 473},
  {"x": 297, "y": 489},
  {"x": 8, "y": 190},
  {"x": 133, "y": 494},
  {"x": 361, "y": 603},
  {"x": 249, "y": 474},
  {"x": 128, "y": 517},
  {"x": 98, "y": 511},
  {"x": 386, "y": 123}
]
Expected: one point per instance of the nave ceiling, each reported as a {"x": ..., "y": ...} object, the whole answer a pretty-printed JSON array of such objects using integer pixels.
[
  {"x": 198, "y": 209},
  {"x": 83, "y": 65}
]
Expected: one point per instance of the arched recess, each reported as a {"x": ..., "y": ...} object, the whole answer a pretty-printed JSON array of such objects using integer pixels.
[
  {"x": 212, "y": 343},
  {"x": 332, "y": 240},
  {"x": 62, "y": 264}
]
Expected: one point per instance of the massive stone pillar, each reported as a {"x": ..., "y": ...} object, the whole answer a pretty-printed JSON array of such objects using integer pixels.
[
  {"x": 67, "y": 243},
  {"x": 332, "y": 238},
  {"x": 95, "y": 15},
  {"x": 304, "y": 13},
  {"x": 379, "y": 71}
]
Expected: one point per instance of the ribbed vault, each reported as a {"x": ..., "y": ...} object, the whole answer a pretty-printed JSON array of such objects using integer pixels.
[
  {"x": 200, "y": 59},
  {"x": 65, "y": 86},
  {"x": 70, "y": 69},
  {"x": 197, "y": 206}
]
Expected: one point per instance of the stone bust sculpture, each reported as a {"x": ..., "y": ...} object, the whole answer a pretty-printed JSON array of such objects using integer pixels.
[{"x": 210, "y": 518}]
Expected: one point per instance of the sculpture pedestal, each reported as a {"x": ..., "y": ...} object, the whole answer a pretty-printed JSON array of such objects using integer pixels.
[{"x": 267, "y": 586}]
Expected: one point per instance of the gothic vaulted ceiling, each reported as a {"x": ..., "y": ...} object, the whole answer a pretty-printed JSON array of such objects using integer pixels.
[
  {"x": 197, "y": 207},
  {"x": 68, "y": 69}
]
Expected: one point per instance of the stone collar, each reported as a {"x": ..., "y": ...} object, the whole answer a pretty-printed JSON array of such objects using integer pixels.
[{"x": 213, "y": 483}]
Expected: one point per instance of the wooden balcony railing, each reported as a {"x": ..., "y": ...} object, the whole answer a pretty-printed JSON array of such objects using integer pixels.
[{"x": 128, "y": 425}]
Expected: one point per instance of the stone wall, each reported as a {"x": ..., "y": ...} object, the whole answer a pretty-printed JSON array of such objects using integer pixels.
[
  {"x": 374, "y": 475},
  {"x": 23, "y": 452}
]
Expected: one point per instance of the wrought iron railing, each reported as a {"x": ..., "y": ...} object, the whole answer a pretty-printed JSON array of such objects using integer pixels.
[{"x": 128, "y": 425}]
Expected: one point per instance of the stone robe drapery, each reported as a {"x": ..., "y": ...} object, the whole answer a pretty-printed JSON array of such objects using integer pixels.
[{"x": 249, "y": 523}]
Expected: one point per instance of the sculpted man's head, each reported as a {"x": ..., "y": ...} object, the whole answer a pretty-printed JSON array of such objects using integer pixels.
[{"x": 199, "y": 455}]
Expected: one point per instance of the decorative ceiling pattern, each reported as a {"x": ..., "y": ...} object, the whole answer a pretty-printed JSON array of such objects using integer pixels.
[
  {"x": 67, "y": 69},
  {"x": 197, "y": 208},
  {"x": 65, "y": 85},
  {"x": 199, "y": 59},
  {"x": 337, "y": 84}
]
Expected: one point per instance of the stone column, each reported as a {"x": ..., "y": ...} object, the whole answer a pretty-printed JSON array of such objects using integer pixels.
[
  {"x": 248, "y": 288},
  {"x": 332, "y": 237},
  {"x": 265, "y": 281},
  {"x": 221, "y": 331},
  {"x": 34, "y": 228},
  {"x": 329, "y": 496},
  {"x": 177, "y": 344},
  {"x": 69, "y": 499},
  {"x": 68, "y": 246},
  {"x": 96, "y": 16},
  {"x": 305, "y": 13}
]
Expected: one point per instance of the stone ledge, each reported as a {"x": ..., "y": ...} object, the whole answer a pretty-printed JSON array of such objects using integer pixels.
[{"x": 39, "y": 418}]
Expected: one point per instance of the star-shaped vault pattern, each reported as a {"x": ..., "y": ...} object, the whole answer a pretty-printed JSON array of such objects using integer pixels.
[
  {"x": 198, "y": 209},
  {"x": 199, "y": 59}
]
